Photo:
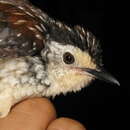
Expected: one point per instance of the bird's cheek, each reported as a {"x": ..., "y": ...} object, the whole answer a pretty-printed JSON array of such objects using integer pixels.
[{"x": 71, "y": 79}]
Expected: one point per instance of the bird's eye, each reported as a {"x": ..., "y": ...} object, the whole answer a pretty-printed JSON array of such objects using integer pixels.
[{"x": 68, "y": 58}]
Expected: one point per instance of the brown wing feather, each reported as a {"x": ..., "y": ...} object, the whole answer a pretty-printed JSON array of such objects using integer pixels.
[{"x": 21, "y": 32}]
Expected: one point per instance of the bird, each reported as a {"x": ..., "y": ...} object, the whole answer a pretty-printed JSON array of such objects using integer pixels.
[{"x": 43, "y": 57}]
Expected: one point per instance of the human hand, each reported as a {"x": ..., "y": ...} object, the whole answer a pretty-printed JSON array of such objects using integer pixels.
[{"x": 37, "y": 114}]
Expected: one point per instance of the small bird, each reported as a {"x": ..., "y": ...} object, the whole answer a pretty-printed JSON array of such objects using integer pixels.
[{"x": 40, "y": 56}]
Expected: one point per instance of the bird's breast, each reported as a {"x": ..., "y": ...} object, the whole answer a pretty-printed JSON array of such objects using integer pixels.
[{"x": 20, "y": 72}]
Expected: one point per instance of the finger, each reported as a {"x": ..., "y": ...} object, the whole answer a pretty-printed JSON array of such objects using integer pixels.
[
  {"x": 65, "y": 124},
  {"x": 31, "y": 114}
]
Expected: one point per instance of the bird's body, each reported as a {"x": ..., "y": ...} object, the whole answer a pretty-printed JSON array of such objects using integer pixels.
[{"x": 42, "y": 57}]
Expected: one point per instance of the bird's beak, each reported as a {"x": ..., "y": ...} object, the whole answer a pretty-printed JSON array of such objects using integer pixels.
[{"x": 102, "y": 75}]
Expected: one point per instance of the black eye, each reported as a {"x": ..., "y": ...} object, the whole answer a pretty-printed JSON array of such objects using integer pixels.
[{"x": 68, "y": 58}]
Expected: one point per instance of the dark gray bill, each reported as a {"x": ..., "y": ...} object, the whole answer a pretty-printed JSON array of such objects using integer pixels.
[{"x": 102, "y": 75}]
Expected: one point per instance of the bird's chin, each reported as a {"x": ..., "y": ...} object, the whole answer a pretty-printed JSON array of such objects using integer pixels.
[{"x": 57, "y": 89}]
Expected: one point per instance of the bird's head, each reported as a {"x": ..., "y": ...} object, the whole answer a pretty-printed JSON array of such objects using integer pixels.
[
  {"x": 73, "y": 58},
  {"x": 72, "y": 55}
]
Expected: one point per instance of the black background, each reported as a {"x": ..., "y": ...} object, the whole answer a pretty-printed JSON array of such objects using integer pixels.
[{"x": 100, "y": 105}]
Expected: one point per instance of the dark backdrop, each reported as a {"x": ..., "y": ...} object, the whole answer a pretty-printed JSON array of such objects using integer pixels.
[{"x": 99, "y": 105}]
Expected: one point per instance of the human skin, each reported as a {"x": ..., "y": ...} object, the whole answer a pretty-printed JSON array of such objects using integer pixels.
[{"x": 37, "y": 114}]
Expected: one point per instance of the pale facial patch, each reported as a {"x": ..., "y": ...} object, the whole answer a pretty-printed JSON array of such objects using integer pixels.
[
  {"x": 83, "y": 59},
  {"x": 66, "y": 78}
]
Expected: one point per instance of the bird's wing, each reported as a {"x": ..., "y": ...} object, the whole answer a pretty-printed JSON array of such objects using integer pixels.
[{"x": 21, "y": 32}]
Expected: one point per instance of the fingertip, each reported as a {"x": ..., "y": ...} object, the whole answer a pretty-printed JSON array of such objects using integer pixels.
[
  {"x": 65, "y": 124},
  {"x": 40, "y": 110},
  {"x": 35, "y": 106},
  {"x": 32, "y": 114}
]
